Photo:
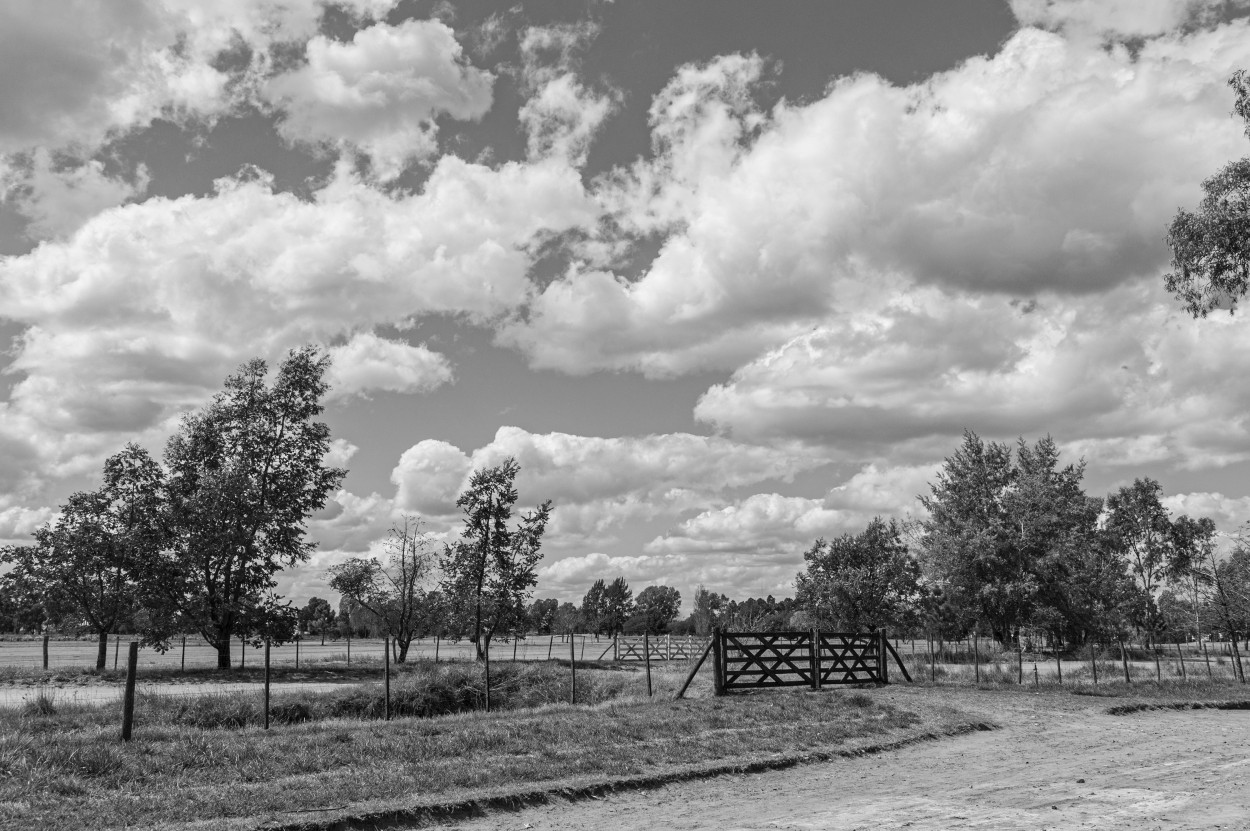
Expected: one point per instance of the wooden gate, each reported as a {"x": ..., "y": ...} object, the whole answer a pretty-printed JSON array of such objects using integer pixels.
[
  {"x": 749, "y": 660},
  {"x": 663, "y": 647}
]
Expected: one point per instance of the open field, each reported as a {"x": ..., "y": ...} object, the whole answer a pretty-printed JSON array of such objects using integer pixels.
[
  {"x": 62, "y": 767},
  {"x": 27, "y": 653}
]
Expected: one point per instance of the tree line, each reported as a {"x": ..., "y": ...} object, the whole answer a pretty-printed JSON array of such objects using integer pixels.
[{"x": 1012, "y": 542}]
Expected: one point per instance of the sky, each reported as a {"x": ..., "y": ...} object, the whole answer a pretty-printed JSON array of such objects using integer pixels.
[{"x": 723, "y": 276}]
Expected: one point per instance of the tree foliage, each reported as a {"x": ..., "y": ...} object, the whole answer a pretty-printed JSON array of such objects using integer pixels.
[
  {"x": 490, "y": 571},
  {"x": 1211, "y": 247},
  {"x": 657, "y": 607},
  {"x": 394, "y": 591},
  {"x": 244, "y": 474},
  {"x": 860, "y": 582}
]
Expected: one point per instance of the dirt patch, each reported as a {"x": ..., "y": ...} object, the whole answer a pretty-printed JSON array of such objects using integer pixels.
[{"x": 1060, "y": 761}]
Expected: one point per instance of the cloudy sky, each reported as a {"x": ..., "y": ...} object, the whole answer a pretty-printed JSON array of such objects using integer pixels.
[{"x": 724, "y": 276}]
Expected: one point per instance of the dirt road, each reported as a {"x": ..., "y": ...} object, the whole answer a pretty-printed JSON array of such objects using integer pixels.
[{"x": 1054, "y": 765}]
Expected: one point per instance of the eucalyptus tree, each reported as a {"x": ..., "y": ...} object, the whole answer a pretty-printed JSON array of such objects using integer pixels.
[{"x": 491, "y": 570}]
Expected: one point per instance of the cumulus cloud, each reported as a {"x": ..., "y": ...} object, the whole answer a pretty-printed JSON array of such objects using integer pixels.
[
  {"x": 368, "y": 362},
  {"x": 74, "y": 73},
  {"x": 1119, "y": 18},
  {"x": 58, "y": 200},
  {"x": 561, "y": 115},
  {"x": 381, "y": 92},
  {"x": 1051, "y": 165},
  {"x": 140, "y": 313}
]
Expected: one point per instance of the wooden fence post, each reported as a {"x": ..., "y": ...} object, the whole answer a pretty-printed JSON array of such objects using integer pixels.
[
  {"x": 45, "y": 651},
  {"x": 882, "y": 665},
  {"x": 1181, "y": 657},
  {"x": 1238, "y": 672},
  {"x": 976, "y": 657},
  {"x": 349, "y": 644},
  {"x": 572, "y": 673},
  {"x": 386, "y": 681},
  {"x": 1019, "y": 661},
  {"x": 1124, "y": 661},
  {"x": 1058, "y": 662},
  {"x": 646, "y": 652},
  {"x": 436, "y": 649},
  {"x": 1205, "y": 656},
  {"x": 514, "y": 640},
  {"x": 242, "y": 653},
  {"x": 693, "y": 671},
  {"x": 1154, "y": 648},
  {"x": 815, "y": 662},
  {"x": 486, "y": 654},
  {"x": 932, "y": 671},
  {"x": 183, "y": 666},
  {"x": 297, "y": 640},
  {"x": 128, "y": 703},
  {"x": 117, "y": 648},
  {"x": 266, "y": 683},
  {"x": 718, "y": 663},
  {"x": 1093, "y": 662},
  {"x": 550, "y": 644}
]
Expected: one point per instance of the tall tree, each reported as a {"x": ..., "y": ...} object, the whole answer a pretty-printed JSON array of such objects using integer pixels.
[
  {"x": 860, "y": 582},
  {"x": 658, "y": 606},
  {"x": 245, "y": 472},
  {"x": 618, "y": 606},
  {"x": 594, "y": 606},
  {"x": 541, "y": 613},
  {"x": 1157, "y": 550},
  {"x": 393, "y": 591},
  {"x": 90, "y": 562},
  {"x": 490, "y": 570},
  {"x": 1211, "y": 248},
  {"x": 709, "y": 611}
]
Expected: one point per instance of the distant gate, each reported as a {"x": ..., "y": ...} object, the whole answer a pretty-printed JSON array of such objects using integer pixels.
[
  {"x": 749, "y": 660},
  {"x": 663, "y": 647}
]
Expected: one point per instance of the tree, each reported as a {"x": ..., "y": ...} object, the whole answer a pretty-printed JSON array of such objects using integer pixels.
[
  {"x": 709, "y": 610},
  {"x": 491, "y": 570},
  {"x": 594, "y": 606},
  {"x": 1211, "y": 248},
  {"x": 1227, "y": 584},
  {"x": 566, "y": 620},
  {"x": 317, "y": 617},
  {"x": 658, "y": 607},
  {"x": 1157, "y": 550},
  {"x": 87, "y": 565},
  {"x": 541, "y": 613},
  {"x": 860, "y": 582},
  {"x": 618, "y": 606},
  {"x": 245, "y": 472},
  {"x": 393, "y": 591}
]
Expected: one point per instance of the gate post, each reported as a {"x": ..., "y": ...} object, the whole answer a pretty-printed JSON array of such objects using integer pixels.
[
  {"x": 718, "y": 662},
  {"x": 883, "y": 668},
  {"x": 815, "y": 659}
]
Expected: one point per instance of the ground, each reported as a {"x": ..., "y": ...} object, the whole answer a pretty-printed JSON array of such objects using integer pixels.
[{"x": 1057, "y": 762}]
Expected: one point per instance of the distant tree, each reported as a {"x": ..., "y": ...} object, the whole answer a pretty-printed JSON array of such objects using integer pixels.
[
  {"x": 1211, "y": 248},
  {"x": 21, "y": 605},
  {"x": 709, "y": 610},
  {"x": 860, "y": 582},
  {"x": 1157, "y": 549},
  {"x": 491, "y": 570},
  {"x": 317, "y": 617},
  {"x": 594, "y": 606},
  {"x": 541, "y": 613},
  {"x": 393, "y": 591},
  {"x": 88, "y": 563},
  {"x": 567, "y": 620},
  {"x": 245, "y": 472},
  {"x": 1226, "y": 585},
  {"x": 618, "y": 606},
  {"x": 657, "y": 606}
]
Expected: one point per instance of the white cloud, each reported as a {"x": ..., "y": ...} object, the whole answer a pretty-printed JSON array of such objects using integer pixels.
[
  {"x": 1118, "y": 18},
  {"x": 429, "y": 477},
  {"x": 368, "y": 362},
  {"x": 1053, "y": 165},
  {"x": 74, "y": 73},
  {"x": 59, "y": 200},
  {"x": 144, "y": 310},
  {"x": 381, "y": 92},
  {"x": 1229, "y": 513}
]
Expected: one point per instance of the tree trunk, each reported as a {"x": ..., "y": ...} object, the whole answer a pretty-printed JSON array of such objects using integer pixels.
[
  {"x": 223, "y": 651},
  {"x": 102, "y": 652},
  {"x": 403, "y": 651}
]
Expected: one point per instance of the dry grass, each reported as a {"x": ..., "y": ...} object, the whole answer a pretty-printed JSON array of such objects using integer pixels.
[{"x": 66, "y": 769}]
